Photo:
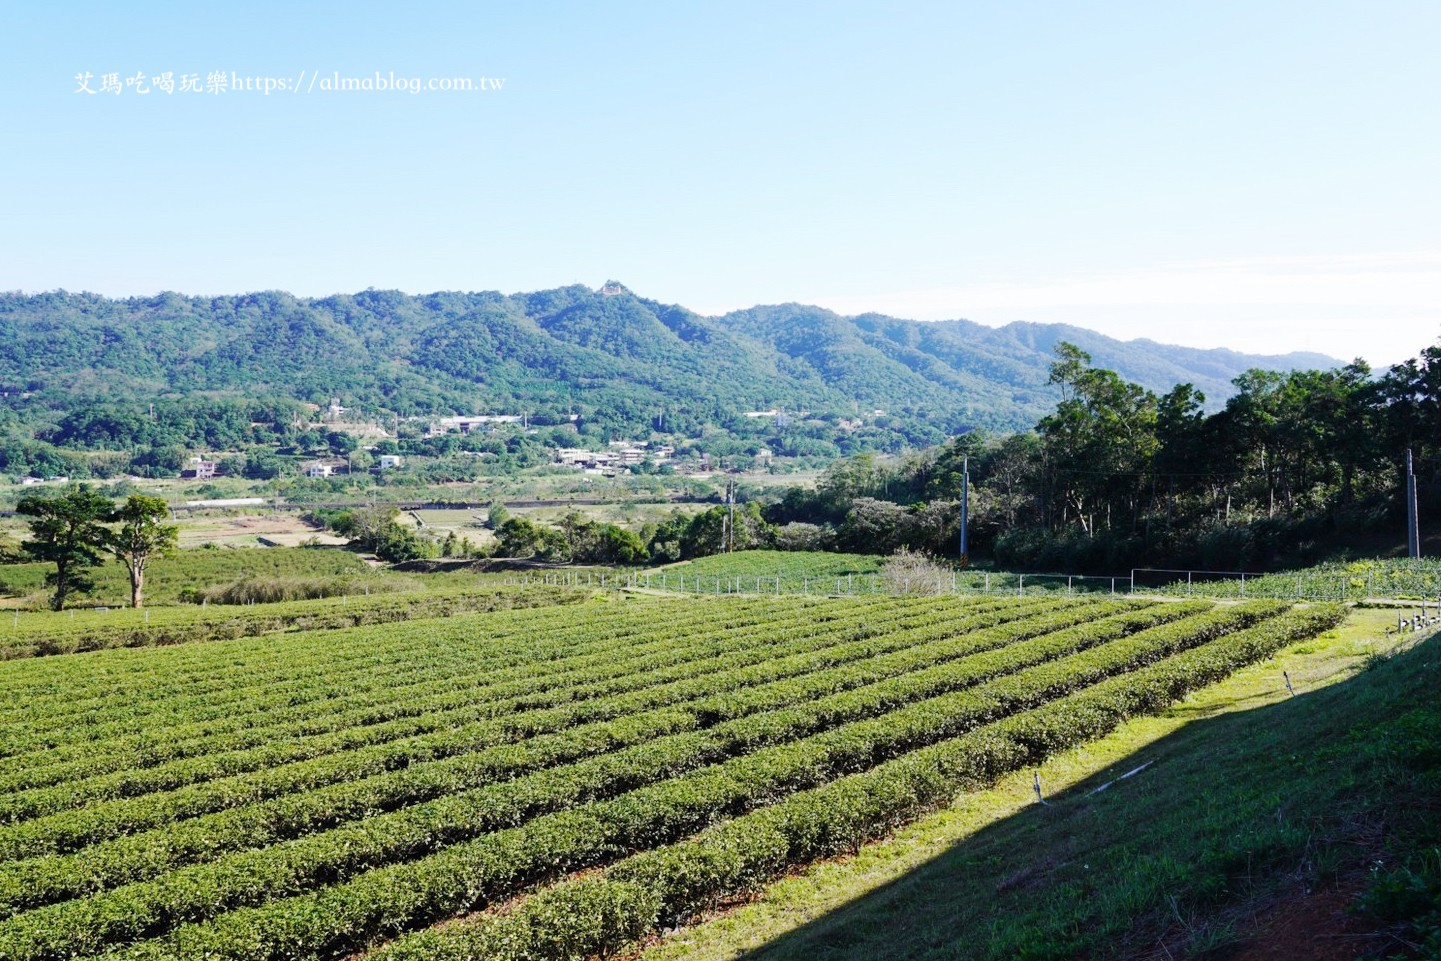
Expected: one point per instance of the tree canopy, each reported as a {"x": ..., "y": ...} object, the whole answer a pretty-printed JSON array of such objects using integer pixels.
[
  {"x": 67, "y": 530},
  {"x": 141, "y": 536}
]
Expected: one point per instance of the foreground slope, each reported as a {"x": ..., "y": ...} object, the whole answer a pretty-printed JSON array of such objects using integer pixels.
[
  {"x": 309, "y": 795},
  {"x": 1253, "y": 824}
]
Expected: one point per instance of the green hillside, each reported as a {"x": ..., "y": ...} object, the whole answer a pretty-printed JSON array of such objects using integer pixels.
[{"x": 613, "y": 354}]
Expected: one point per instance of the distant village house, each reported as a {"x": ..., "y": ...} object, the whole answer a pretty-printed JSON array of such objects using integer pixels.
[
  {"x": 198, "y": 468},
  {"x": 322, "y": 469}
]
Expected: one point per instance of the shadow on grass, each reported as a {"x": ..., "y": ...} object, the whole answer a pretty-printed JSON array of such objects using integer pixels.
[{"x": 1233, "y": 811}]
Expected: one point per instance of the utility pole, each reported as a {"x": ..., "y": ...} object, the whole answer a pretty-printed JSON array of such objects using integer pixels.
[
  {"x": 1413, "y": 530},
  {"x": 725, "y": 515},
  {"x": 965, "y": 510},
  {"x": 730, "y": 519}
]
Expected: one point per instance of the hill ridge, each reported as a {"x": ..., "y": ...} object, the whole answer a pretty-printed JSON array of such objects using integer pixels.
[{"x": 570, "y": 348}]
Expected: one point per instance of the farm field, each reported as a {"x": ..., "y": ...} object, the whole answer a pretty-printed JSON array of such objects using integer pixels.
[
  {"x": 221, "y": 527},
  {"x": 1317, "y": 839},
  {"x": 42, "y": 633},
  {"x": 617, "y": 765},
  {"x": 232, "y": 528},
  {"x": 168, "y": 577},
  {"x": 816, "y": 572},
  {"x": 471, "y": 523}
]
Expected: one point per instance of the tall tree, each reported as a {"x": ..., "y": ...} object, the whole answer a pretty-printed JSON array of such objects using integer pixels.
[
  {"x": 1410, "y": 395},
  {"x": 67, "y": 530},
  {"x": 1182, "y": 455},
  {"x": 142, "y": 535},
  {"x": 1099, "y": 441}
]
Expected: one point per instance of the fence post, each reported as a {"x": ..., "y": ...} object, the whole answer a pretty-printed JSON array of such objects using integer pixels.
[{"x": 1021, "y": 585}]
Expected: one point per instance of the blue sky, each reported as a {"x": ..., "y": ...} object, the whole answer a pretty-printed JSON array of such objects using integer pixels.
[{"x": 1255, "y": 175}]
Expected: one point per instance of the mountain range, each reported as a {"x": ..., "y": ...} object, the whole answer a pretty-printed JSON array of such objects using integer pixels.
[{"x": 568, "y": 349}]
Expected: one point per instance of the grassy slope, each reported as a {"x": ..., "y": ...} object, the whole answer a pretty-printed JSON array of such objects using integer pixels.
[
  {"x": 166, "y": 577},
  {"x": 791, "y": 564},
  {"x": 1251, "y": 793}
]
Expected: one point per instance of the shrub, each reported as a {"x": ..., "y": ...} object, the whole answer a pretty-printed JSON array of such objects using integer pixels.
[
  {"x": 271, "y": 590},
  {"x": 907, "y": 572}
]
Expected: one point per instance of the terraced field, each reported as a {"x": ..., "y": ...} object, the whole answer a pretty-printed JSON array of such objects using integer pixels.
[
  {"x": 43, "y": 633},
  {"x": 614, "y": 766}
]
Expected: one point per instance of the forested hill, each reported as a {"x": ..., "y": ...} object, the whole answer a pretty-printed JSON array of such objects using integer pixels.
[
  {"x": 980, "y": 370},
  {"x": 613, "y": 355}
]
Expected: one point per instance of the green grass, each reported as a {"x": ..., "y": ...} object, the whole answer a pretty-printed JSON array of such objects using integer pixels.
[
  {"x": 1250, "y": 794},
  {"x": 823, "y": 572},
  {"x": 167, "y": 577},
  {"x": 790, "y": 563},
  {"x": 817, "y": 572},
  {"x": 1354, "y": 580}
]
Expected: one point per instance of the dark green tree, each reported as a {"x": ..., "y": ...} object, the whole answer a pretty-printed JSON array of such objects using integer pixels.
[
  {"x": 1099, "y": 441},
  {"x": 67, "y": 530},
  {"x": 396, "y": 544},
  {"x": 522, "y": 538}
]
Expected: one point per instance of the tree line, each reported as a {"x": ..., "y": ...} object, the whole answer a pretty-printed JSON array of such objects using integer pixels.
[{"x": 1291, "y": 467}]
